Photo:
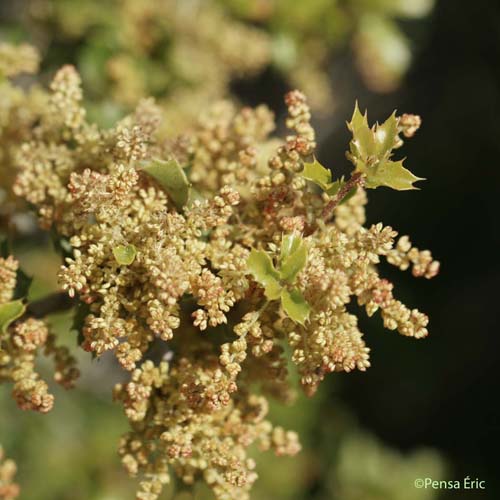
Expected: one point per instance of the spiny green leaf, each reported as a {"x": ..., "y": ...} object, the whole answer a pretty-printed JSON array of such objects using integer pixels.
[
  {"x": 272, "y": 289},
  {"x": 260, "y": 264},
  {"x": 125, "y": 254},
  {"x": 294, "y": 263},
  {"x": 358, "y": 121},
  {"x": 317, "y": 173},
  {"x": 295, "y": 306},
  {"x": 386, "y": 136},
  {"x": 392, "y": 174},
  {"x": 335, "y": 186},
  {"x": 363, "y": 142},
  {"x": 371, "y": 150},
  {"x": 289, "y": 244},
  {"x": 172, "y": 178},
  {"x": 321, "y": 176},
  {"x": 9, "y": 312}
]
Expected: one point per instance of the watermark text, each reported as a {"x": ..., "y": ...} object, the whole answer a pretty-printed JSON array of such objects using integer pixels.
[{"x": 467, "y": 483}]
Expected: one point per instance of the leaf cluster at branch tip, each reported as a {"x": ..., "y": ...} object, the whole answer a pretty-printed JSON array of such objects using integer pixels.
[
  {"x": 277, "y": 282},
  {"x": 371, "y": 152}
]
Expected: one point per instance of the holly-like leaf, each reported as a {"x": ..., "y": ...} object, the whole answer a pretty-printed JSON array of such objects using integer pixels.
[
  {"x": 363, "y": 140},
  {"x": 371, "y": 151},
  {"x": 172, "y": 178},
  {"x": 295, "y": 306},
  {"x": 322, "y": 177},
  {"x": 294, "y": 262},
  {"x": 289, "y": 244},
  {"x": 272, "y": 289},
  {"x": 261, "y": 266},
  {"x": 317, "y": 173},
  {"x": 335, "y": 186},
  {"x": 124, "y": 254},
  {"x": 386, "y": 136},
  {"x": 392, "y": 174},
  {"x": 9, "y": 312},
  {"x": 358, "y": 121}
]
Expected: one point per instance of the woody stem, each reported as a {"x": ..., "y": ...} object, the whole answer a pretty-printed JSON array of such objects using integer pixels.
[
  {"x": 54, "y": 302},
  {"x": 357, "y": 179}
]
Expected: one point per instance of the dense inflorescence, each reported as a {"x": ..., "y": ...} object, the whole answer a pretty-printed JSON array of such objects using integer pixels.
[
  {"x": 187, "y": 418},
  {"x": 20, "y": 343},
  {"x": 9, "y": 490},
  {"x": 206, "y": 263}
]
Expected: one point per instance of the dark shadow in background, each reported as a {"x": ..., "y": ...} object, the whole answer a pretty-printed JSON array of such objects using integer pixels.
[{"x": 443, "y": 391}]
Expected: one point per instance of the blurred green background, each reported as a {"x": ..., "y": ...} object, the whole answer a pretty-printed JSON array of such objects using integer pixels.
[{"x": 424, "y": 409}]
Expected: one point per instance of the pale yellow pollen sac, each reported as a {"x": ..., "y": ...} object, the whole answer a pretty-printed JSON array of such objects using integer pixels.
[
  {"x": 409, "y": 124},
  {"x": 8, "y": 276},
  {"x": 405, "y": 255},
  {"x": 131, "y": 144},
  {"x": 66, "y": 97},
  {"x": 291, "y": 224},
  {"x": 30, "y": 334}
]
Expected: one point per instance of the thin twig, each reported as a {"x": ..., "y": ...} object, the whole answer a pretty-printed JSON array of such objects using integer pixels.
[
  {"x": 55, "y": 302},
  {"x": 357, "y": 179}
]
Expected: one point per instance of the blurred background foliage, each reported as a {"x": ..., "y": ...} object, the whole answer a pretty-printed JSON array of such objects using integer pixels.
[
  {"x": 189, "y": 52},
  {"x": 424, "y": 409}
]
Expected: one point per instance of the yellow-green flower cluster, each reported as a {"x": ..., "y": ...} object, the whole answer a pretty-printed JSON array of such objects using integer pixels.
[
  {"x": 218, "y": 251},
  {"x": 185, "y": 418},
  {"x": 21, "y": 340}
]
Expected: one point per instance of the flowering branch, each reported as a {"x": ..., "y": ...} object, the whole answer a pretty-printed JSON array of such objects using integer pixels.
[{"x": 155, "y": 257}]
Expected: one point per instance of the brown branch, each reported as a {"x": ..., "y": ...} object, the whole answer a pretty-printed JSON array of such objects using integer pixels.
[
  {"x": 357, "y": 179},
  {"x": 55, "y": 302}
]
